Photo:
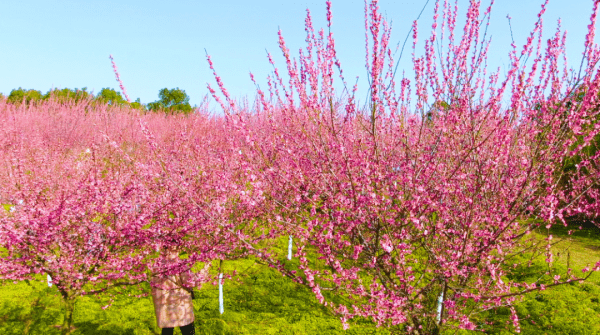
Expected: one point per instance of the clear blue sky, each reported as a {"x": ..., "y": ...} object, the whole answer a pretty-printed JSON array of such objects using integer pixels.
[{"x": 159, "y": 44}]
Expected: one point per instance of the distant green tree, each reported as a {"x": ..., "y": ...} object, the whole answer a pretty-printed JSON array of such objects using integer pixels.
[
  {"x": 111, "y": 97},
  {"x": 172, "y": 101},
  {"x": 17, "y": 96},
  {"x": 67, "y": 94},
  {"x": 137, "y": 104}
]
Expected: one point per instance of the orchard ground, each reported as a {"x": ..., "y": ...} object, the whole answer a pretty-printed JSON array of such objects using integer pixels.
[{"x": 261, "y": 301}]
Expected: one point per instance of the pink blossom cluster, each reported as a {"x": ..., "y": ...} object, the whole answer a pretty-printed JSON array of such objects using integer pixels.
[{"x": 116, "y": 70}]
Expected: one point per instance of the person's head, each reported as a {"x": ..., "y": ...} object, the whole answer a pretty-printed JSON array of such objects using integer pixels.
[{"x": 170, "y": 249}]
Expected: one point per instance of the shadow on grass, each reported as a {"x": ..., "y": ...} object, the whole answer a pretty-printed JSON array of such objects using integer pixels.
[
  {"x": 96, "y": 328},
  {"x": 578, "y": 228},
  {"x": 34, "y": 319}
]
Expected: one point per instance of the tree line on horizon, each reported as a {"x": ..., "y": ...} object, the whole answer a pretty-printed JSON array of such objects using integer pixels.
[{"x": 172, "y": 101}]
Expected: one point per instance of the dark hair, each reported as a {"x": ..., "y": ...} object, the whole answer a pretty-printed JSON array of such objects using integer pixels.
[{"x": 169, "y": 242}]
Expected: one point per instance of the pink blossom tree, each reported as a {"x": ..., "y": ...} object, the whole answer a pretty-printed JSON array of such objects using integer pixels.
[
  {"x": 72, "y": 218},
  {"x": 414, "y": 209}
]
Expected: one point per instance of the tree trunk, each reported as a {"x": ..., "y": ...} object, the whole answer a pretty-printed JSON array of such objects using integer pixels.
[{"x": 68, "y": 320}]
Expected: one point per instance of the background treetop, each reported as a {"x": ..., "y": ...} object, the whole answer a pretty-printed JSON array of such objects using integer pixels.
[{"x": 172, "y": 100}]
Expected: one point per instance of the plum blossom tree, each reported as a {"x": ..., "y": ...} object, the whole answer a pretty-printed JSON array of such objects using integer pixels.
[
  {"x": 429, "y": 193},
  {"x": 71, "y": 219}
]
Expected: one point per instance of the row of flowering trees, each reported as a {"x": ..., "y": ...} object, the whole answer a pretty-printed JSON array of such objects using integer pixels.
[
  {"x": 83, "y": 204},
  {"x": 407, "y": 211}
]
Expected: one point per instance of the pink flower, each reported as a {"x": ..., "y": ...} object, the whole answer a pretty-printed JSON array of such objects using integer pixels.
[{"x": 386, "y": 244}]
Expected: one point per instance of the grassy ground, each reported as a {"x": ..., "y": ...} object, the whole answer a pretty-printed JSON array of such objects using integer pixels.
[
  {"x": 583, "y": 245},
  {"x": 567, "y": 309},
  {"x": 261, "y": 301}
]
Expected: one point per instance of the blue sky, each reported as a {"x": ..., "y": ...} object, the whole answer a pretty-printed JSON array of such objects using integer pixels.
[{"x": 159, "y": 44}]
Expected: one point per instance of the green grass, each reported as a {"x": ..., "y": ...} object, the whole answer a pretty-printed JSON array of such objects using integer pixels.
[
  {"x": 566, "y": 309},
  {"x": 258, "y": 301},
  {"x": 261, "y": 301},
  {"x": 583, "y": 245}
]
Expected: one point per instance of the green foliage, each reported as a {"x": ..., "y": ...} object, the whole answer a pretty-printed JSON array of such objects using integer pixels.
[
  {"x": 137, "y": 104},
  {"x": 110, "y": 96},
  {"x": 105, "y": 96},
  {"x": 113, "y": 98},
  {"x": 172, "y": 100},
  {"x": 66, "y": 95},
  {"x": 17, "y": 96}
]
